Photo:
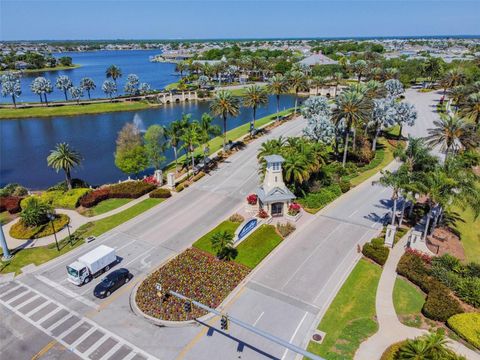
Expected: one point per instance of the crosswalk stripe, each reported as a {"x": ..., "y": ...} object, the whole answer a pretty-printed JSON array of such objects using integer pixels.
[
  {"x": 95, "y": 345},
  {"x": 111, "y": 351},
  {"x": 130, "y": 356},
  {"x": 83, "y": 337},
  {"x": 70, "y": 329},
  {"x": 17, "y": 296},
  {"x": 47, "y": 316},
  {"x": 38, "y": 308},
  {"x": 28, "y": 301},
  {"x": 11, "y": 290},
  {"x": 54, "y": 325}
]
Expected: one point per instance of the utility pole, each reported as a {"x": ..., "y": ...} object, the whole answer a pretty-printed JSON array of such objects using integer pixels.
[{"x": 3, "y": 242}]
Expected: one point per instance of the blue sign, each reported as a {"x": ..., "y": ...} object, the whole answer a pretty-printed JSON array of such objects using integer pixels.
[{"x": 249, "y": 226}]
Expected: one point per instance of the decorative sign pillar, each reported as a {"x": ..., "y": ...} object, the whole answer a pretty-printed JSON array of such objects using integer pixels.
[
  {"x": 390, "y": 235},
  {"x": 158, "y": 176},
  {"x": 415, "y": 237},
  {"x": 171, "y": 180}
]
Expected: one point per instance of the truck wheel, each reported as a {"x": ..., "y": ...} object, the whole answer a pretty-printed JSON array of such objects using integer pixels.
[
  {"x": 87, "y": 280},
  {"x": 106, "y": 268}
]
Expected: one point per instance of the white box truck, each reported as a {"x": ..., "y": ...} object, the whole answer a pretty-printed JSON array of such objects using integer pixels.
[{"x": 91, "y": 264}]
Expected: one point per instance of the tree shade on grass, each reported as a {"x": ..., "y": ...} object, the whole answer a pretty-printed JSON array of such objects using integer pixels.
[
  {"x": 257, "y": 246},
  {"x": 350, "y": 318},
  {"x": 40, "y": 255},
  {"x": 71, "y": 110},
  {"x": 407, "y": 299},
  {"x": 106, "y": 206}
]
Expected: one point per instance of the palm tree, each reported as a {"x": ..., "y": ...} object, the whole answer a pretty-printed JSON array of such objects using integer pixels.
[
  {"x": 337, "y": 77},
  {"x": 190, "y": 138},
  {"x": 353, "y": 107},
  {"x": 207, "y": 131},
  {"x": 63, "y": 157},
  {"x": 428, "y": 347},
  {"x": 296, "y": 168},
  {"x": 317, "y": 82},
  {"x": 222, "y": 240},
  {"x": 451, "y": 133},
  {"x": 396, "y": 181},
  {"x": 270, "y": 147},
  {"x": 297, "y": 82},
  {"x": 224, "y": 104},
  {"x": 173, "y": 133},
  {"x": 471, "y": 109},
  {"x": 180, "y": 67},
  {"x": 277, "y": 86},
  {"x": 452, "y": 78},
  {"x": 114, "y": 72},
  {"x": 254, "y": 96}
]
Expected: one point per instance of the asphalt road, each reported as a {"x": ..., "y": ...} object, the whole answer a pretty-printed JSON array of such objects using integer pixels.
[{"x": 42, "y": 313}]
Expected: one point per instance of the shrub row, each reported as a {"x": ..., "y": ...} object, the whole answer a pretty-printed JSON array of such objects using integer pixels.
[
  {"x": 160, "y": 193},
  {"x": 93, "y": 198},
  {"x": 130, "y": 189},
  {"x": 10, "y": 204},
  {"x": 319, "y": 199},
  {"x": 467, "y": 326},
  {"x": 377, "y": 252}
]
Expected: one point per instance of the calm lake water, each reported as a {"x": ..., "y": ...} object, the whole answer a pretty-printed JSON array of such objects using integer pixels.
[
  {"x": 94, "y": 63},
  {"x": 25, "y": 143}
]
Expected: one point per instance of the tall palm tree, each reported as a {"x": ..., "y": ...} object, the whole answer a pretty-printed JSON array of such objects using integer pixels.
[
  {"x": 353, "y": 107},
  {"x": 337, "y": 77},
  {"x": 297, "y": 82},
  {"x": 254, "y": 97},
  {"x": 277, "y": 86},
  {"x": 396, "y": 181},
  {"x": 224, "y": 104},
  {"x": 317, "y": 82},
  {"x": 452, "y": 133},
  {"x": 375, "y": 89},
  {"x": 270, "y": 147},
  {"x": 296, "y": 169},
  {"x": 173, "y": 133},
  {"x": 191, "y": 138},
  {"x": 63, "y": 157},
  {"x": 471, "y": 109},
  {"x": 452, "y": 78},
  {"x": 114, "y": 72},
  {"x": 207, "y": 131},
  {"x": 180, "y": 67}
]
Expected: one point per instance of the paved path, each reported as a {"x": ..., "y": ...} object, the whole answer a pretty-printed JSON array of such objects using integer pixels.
[
  {"x": 391, "y": 330},
  {"x": 76, "y": 220}
]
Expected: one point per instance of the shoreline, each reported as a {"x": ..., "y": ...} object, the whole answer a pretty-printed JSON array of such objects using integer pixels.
[{"x": 33, "y": 71}]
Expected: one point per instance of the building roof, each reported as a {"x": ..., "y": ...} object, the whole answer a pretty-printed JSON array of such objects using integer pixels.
[
  {"x": 318, "y": 59},
  {"x": 274, "y": 159},
  {"x": 276, "y": 194}
]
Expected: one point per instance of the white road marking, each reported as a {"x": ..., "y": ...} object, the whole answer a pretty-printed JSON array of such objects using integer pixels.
[
  {"x": 295, "y": 333},
  {"x": 258, "y": 319},
  {"x": 353, "y": 213},
  {"x": 70, "y": 329},
  {"x": 124, "y": 246},
  {"x": 112, "y": 351},
  {"x": 130, "y": 356},
  {"x": 82, "y": 337},
  {"x": 28, "y": 301},
  {"x": 58, "y": 322},
  {"x": 139, "y": 256},
  {"x": 49, "y": 315},
  {"x": 17, "y": 296},
  {"x": 38, "y": 308},
  {"x": 11, "y": 290},
  {"x": 95, "y": 345}
]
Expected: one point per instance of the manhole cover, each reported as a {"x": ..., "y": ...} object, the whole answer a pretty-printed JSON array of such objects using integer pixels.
[{"x": 317, "y": 337}]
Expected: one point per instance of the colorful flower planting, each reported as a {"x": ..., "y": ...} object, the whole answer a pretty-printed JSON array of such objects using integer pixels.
[
  {"x": 293, "y": 209},
  {"x": 193, "y": 273},
  {"x": 262, "y": 214},
  {"x": 252, "y": 199}
]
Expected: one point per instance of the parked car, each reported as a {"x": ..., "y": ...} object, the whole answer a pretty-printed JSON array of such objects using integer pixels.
[{"x": 112, "y": 282}]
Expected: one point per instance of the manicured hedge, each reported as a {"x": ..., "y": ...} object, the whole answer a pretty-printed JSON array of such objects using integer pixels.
[
  {"x": 181, "y": 186},
  {"x": 440, "y": 304},
  {"x": 130, "y": 189},
  {"x": 62, "y": 199},
  {"x": 20, "y": 231},
  {"x": 10, "y": 204},
  {"x": 376, "y": 252},
  {"x": 160, "y": 193},
  {"x": 94, "y": 197},
  {"x": 317, "y": 200},
  {"x": 467, "y": 326}
]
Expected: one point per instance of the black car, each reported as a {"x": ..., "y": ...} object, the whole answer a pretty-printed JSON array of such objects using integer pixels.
[{"x": 112, "y": 282}]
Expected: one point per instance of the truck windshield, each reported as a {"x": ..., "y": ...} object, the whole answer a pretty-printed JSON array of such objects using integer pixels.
[{"x": 72, "y": 271}]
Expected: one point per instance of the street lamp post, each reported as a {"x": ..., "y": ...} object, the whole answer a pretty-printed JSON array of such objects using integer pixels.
[
  {"x": 51, "y": 217},
  {"x": 3, "y": 242}
]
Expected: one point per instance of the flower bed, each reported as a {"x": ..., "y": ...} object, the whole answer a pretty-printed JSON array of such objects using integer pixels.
[
  {"x": 195, "y": 274},
  {"x": 20, "y": 231},
  {"x": 93, "y": 198},
  {"x": 63, "y": 199},
  {"x": 10, "y": 204}
]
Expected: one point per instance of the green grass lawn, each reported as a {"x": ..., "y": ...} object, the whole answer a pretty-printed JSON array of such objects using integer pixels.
[
  {"x": 350, "y": 318},
  {"x": 172, "y": 86},
  {"x": 56, "y": 68},
  {"x": 384, "y": 159},
  {"x": 5, "y": 217},
  {"x": 43, "y": 254},
  {"x": 106, "y": 206},
  {"x": 70, "y": 110},
  {"x": 253, "y": 249},
  {"x": 407, "y": 298},
  {"x": 205, "y": 244},
  {"x": 470, "y": 234}
]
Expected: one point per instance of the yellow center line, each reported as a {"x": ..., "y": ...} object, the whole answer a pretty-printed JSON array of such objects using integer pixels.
[
  {"x": 44, "y": 350},
  {"x": 205, "y": 329}
]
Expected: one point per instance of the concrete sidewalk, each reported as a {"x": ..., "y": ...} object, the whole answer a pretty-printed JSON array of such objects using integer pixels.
[{"x": 391, "y": 330}]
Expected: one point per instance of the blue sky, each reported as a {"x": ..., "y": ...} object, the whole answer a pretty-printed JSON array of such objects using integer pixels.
[{"x": 118, "y": 19}]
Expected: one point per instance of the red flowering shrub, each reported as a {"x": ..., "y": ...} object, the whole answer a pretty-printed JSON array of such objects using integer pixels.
[
  {"x": 252, "y": 199},
  {"x": 293, "y": 209},
  {"x": 195, "y": 274},
  {"x": 130, "y": 189},
  {"x": 262, "y": 214},
  {"x": 426, "y": 258},
  {"x": 10, "y": 204},
  {"x": 93, "y": 198},
  {"x": 150, "y": 180}
]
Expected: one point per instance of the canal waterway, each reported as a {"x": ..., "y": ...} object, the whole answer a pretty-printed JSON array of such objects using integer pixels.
[{"x": 26, "y": 143}]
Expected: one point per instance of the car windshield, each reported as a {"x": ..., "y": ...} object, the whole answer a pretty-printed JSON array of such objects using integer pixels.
[
  {"x": 72, "y": 271},
  {"x": 107, "y": 282}
]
